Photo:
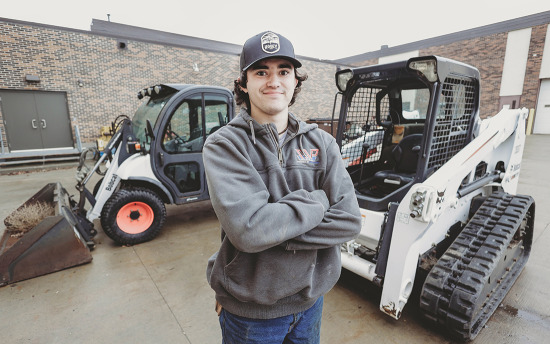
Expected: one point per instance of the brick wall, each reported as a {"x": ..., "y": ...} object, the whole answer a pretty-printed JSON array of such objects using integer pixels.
[
  {"x": 531, "y": 83},
  {"x": 487, "y": 53},
  {"x": 111, "y": 77}
]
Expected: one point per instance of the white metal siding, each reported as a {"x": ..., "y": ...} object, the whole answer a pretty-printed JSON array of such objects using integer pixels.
[
  {"x": 398, "y": 57},
  {"x": 545, "y": 66},
  {"x": 515, "y": 62}
]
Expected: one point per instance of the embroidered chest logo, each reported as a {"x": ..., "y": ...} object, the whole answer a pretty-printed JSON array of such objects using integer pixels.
[{"x": 305, "y": 156}]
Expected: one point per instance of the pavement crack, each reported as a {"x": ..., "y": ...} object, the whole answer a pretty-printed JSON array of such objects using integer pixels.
[
  {"x": 541, "y": 233},
  {"x": 161, "y": 295}
]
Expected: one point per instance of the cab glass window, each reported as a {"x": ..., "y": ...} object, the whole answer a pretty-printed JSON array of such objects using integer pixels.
[
  {"x": 216, "y": 112},
  {"x": 415, "y": 103},
  {"x": 185, "y": 175},
  {"x": 149, "y": 110},
  {"x": 183, "y": 134}
]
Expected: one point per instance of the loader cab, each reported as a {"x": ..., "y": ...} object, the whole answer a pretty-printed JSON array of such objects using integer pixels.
[
  {"x": 182, "y": 117},
  {"x": 399, "y": 122}
]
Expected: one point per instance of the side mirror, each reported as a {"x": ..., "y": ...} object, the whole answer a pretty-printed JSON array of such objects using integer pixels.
[{"x": 149, "y": 130}]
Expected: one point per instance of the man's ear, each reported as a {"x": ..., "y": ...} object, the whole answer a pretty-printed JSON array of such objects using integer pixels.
[{"x": 244, "y": 89}]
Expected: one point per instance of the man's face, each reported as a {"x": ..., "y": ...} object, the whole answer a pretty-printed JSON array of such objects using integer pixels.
[{"x": 270, "y": 86}]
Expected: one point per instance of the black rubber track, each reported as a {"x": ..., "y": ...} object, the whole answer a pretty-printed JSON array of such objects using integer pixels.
[{"x": 474, "y": 275}]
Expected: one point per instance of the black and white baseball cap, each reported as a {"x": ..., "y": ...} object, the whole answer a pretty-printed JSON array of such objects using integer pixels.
[{"x": 264, "y": 45}]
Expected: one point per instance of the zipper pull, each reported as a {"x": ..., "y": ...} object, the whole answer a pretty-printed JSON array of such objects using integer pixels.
[{"x": 252, "y": 131}]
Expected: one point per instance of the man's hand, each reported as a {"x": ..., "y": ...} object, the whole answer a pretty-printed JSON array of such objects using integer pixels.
[{"x": 218, "y": 308}]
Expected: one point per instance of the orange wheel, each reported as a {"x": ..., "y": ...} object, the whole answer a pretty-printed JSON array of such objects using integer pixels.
[{"x": 135, "y": 217}]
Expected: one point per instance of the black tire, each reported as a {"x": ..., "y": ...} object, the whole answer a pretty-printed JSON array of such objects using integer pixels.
[
  {"x": 122, "y": 213},
  {"x": 97, "y": 186}
]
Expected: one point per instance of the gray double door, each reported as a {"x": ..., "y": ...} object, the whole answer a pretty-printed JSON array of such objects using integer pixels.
[{"x": 36, "y": 120}]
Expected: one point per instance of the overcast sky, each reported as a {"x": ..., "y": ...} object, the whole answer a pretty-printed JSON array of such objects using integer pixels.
[{"x": 318, "y": 29}]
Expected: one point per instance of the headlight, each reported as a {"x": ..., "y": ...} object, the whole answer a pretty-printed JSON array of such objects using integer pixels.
[
  {"x": 342, "y": 79},
  {"x": 142, "y": 94},
  {"x": 426, "y": 67}
]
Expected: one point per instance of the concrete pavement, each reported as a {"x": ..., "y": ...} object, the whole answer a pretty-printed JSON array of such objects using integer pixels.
[{"x": 157, "y": 292}]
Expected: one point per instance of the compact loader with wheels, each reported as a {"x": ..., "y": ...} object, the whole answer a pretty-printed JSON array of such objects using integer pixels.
[
  {"x": 437, "y": 190},
  {"x": 155, "y": 159},
  {"x": 151, "y": 160}
]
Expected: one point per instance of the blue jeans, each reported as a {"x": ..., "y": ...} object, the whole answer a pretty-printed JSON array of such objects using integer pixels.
[{"x": 299, "y": 328}]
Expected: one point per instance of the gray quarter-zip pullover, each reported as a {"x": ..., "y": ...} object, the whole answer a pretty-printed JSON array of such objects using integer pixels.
[{"x": 284, "y": 210}]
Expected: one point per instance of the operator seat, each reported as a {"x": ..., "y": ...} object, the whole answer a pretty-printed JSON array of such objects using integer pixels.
[
  {"x": 405, "y": 155},
  {"x": 214, "y": 129}
]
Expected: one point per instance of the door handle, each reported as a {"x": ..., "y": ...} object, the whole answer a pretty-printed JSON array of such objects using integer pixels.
[
  {"x": 43, "y": 123},
  {"x": 33, "y": 124}
]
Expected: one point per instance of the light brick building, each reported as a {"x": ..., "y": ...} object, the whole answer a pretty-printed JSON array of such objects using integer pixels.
[
  {"x": 96, "y": 74},
  {"x": 509, "y": 56}
]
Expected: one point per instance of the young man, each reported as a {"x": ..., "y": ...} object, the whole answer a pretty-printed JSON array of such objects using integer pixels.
[{"x": 285, "y": 203}]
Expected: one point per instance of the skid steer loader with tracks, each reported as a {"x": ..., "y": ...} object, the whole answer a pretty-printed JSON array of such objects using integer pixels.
[
  {"x": 151, "y": 160},
  {"x": 437, "y": 190}
]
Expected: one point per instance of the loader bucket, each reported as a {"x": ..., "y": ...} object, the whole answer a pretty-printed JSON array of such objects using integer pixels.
[{"x": 53, "y": 244}]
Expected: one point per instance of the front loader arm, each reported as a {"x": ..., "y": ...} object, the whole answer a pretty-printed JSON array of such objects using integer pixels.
[
  {"x": 501, "y": 139},
  {"x": 430, "y": 208}
]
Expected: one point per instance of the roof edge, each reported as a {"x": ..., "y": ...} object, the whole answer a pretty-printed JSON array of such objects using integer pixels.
[
  {"x": 124, "y": 31},
  {"x": 161, "y": 37},
  {"x": 486, "y": 30},
  {"x": 112, "y": 29},
  {"x": 54, "y": 27}
]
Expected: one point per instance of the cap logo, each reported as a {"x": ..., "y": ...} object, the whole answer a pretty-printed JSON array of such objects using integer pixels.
[{"x": 270, "y": 43}]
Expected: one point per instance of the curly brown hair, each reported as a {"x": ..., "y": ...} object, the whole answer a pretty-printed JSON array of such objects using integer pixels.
[{"x": 242, "y": 97}]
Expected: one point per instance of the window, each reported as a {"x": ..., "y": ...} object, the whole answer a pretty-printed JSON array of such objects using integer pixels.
[
  {"x": 216, "y": 112},
  {"x": 415, "y": 103},
  {"x": 185, "y": 175},
  {"x": 148, "y": 111},
  {"x": 183, "y": 133}
]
